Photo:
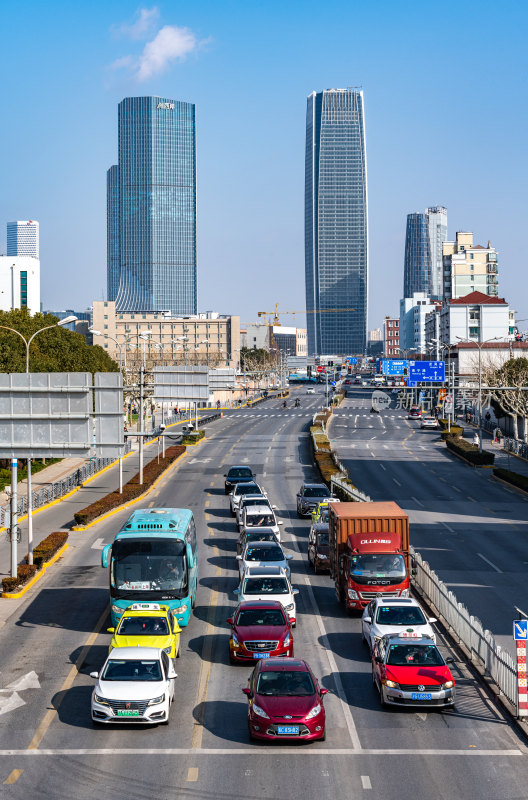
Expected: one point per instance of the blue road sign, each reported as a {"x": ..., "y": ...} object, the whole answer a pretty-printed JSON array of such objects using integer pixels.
[
  {"x": 333, "y": 383},
  {"x": 427, "y": 371},
  {"x": 520, "y": 630},
  {"x": 422, "y": 397},
  {"x": 394, "y": 366},
  {"x": 353, "y": 360}
]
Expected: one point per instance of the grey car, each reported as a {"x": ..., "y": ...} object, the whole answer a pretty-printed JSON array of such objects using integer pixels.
[{"x": 309, "y": 496}]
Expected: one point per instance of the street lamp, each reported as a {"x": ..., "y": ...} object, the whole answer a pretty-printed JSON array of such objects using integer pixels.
[
  {"x": 27, "y": 342},
  {"x": 479, "y": 345}
]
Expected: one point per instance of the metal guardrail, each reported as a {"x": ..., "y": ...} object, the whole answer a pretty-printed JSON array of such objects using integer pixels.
[
  {"x": 350, "y": 491},
  {"x": 515, "y": 446},
  {"x": 483, "y": 649}
]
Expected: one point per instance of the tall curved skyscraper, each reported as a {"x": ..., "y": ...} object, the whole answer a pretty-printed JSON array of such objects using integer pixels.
[
  {"x": 336, "y": 223},
  {"x": 151, "y": 208}
]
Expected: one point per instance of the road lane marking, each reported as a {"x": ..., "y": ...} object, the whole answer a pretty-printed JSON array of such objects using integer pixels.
[
  {"x": 271, "y": 751},
  {"x": 448, "y": 527},
  {"x": 365, "y": 782},
  {"x": 396, "y": 482},
  {"x": 419, "y": 502},
  {"x": 205, "y": 671},
  {"x": 14, "y": 776},
  {"x": 383, "y": 468},
  {"x": 98, "y": 544},
  {"x": 50, "y": 715},
  {"x": 192, "y": 774},
  {"x": 491, "y": 564}
]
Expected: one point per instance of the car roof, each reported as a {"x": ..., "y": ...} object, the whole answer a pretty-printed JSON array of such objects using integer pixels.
[
  {"x": 400, "y": 638},
  {"x": 260, "y": 604},
  {"x": 315, "y": 486},
  {"x": 133, "y": 653},
  {"x": 283, "y": 664},
  {"x": 240, "y": 466},
  {"x": 257, "y": 530},
  {"x": 275, "y": 572},
  {"x": 258, "y": 509},
  {"x": 255, "y": 496},
  {"x": 396, "y": 601},
  {"x": 264, "y": 544}
]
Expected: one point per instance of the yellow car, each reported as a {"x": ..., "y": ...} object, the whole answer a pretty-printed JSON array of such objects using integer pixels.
[
  {"x": 148, "y": 625},
  {"x": 320, "y": 514}
]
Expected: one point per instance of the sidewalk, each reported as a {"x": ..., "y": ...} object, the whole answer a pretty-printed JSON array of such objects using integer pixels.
[
  {"x": 46, "y": 476},
  {"x": 503, "y": 458}
]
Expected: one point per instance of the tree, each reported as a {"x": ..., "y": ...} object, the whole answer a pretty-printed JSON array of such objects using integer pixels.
[
  {"x": 54, "y": 350},
  {"x": 514, "y": 400}
]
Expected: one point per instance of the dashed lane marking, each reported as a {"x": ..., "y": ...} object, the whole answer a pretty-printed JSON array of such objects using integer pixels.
[
  {"x": 491, "y": 564},
  {"x": 396, "y": 482},
  {"x": 365, "y": 782},
  {"x": 13, "y": 776},
  {"x": 192, "y": 774}
]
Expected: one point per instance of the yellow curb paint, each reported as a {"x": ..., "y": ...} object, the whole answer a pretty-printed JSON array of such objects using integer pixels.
[
  {"x": 205, "y": 671},
  {"x": 192, "y": 774},
  {"x": 50, "y": 715},
  {"x": 15, "y": 775},
  {"x": 38, "y": 576}
]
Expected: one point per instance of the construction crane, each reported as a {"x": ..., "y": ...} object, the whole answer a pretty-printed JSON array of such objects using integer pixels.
[{"x": 275, "y": 314}]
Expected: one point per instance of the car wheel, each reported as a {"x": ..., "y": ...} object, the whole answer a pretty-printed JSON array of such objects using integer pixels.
[
  {"x": 251, "y": 737},
  {"x": 323, "y": 737},
  {"x": 179, "y": 651},
  {"x": 383, "y": 704}
]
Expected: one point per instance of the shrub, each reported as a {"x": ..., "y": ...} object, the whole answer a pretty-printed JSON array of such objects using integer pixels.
[
  {"x": 24, "y": 574},
  {"x": 470, "y": 452},
  {"x": 455, "y": 433},
  {"x": 521, "y": 481},
  {"x": 48, "y": 547},
  {"x": 132, "y": 489},
  {"x": 193, "y": 437},
  {"x": 327, "y": 467}
]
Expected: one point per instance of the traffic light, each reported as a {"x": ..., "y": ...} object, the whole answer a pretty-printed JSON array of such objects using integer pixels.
[{"x": 405, "y": 372}]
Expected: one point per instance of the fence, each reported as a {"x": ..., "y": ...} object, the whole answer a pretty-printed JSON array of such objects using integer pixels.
[
  {"x": 484, "y": 650},
  {"x": 350, "y": 492}
]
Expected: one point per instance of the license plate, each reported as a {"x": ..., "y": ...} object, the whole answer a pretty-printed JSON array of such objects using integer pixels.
[
  {"x": 288, "y": 730},
  {"x": 261, "y": 655},
  {"x": 420, "y": 695},
  {"x": 128, "y": 712}
]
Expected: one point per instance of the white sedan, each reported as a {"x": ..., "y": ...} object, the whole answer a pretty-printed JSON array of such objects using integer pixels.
[
  {"x": 263, "y": 554},
  {"x": 429, "y": 423},
  {"x": 310, "y": 390},
  {"x": 136, "y": 684},
  {"x": 394, "y": 615}
]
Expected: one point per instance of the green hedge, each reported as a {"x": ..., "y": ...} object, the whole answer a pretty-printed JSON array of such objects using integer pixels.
[
  {"x": 42, "y": 553},
  {"x": 192, "y": 438},
  {"x": 132, "y": 489},
  {"x": 521, "y": 481},
  {"x": 480, "y": 458},
  {"x": 455, "y": 433}
]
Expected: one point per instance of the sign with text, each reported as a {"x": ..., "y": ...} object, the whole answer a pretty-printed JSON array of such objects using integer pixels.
[
  {"x": 394, "y": 366},
  {"x": 426, "y": 372}
]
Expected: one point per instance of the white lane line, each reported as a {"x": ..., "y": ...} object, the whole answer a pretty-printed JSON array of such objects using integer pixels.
[
  {"x": 365, "y": 782},
  {"x": 417, "y": 501},
  {"x": 373, "y": 454},
  {"x": 396, "y": 482},
  {"x": 383, "y": 468},
  {"x": 447, "y": 526},
  {"x": 489, "y": 562},
  {"x": 271, "y": 751},
  {"x": 98, "y": 544}
]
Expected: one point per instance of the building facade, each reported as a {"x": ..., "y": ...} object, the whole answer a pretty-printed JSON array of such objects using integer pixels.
[
  {"x": 413, "y": 312},
  {"x": 23, "y": 238},
  {"x": 437, "y": 228},
  {"x": 476, "y": 317},
  {"x": 160, "y": 338},
  {"x": 20, "y": 283},
  {"x": 391, "y": 337},
  {"x": 151, "y": 208},
  {"x": 417, "y": 259},
  {"x": 336, "y": 222},
  {"x": 469, "y": 268}
]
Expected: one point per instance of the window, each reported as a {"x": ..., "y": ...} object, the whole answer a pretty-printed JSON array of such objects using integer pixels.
[{"x": 23, "y": 289}]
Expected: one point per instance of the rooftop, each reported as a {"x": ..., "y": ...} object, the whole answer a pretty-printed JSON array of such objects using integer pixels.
[{"x": 478, "y": 299}]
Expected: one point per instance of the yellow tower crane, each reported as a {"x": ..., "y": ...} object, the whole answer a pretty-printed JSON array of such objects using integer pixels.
[{"x": 275, "y": 314}]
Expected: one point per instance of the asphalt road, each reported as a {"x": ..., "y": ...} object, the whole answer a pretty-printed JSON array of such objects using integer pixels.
[
  {"x": 49, "y": 748},
  {"x": 471, "y": 529}
]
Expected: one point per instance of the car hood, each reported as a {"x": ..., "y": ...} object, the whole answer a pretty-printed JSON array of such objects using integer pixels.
[
  {"x": 284, "y": 599},
  {"x": 322, "y": 550},
  {"x": 280, "y": 706},
  {"x": 142, "y": 641},
  {"x": 253, "y": 632},
  {"x": 130, "y": 690},
  {"x": 428, "y": 676}
]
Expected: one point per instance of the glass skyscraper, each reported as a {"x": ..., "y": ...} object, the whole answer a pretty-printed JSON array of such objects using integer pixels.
[
  {"x": 151, "y": 208},
  {"x": 422, "y": 269},
  {"x": 336, "y": 223},
  {"x": 437, "y": 223}
]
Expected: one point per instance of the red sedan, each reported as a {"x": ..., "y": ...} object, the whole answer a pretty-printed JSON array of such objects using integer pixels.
[
  {"x": 259, "y": 629},
  {"x": 285, "y": 701}
]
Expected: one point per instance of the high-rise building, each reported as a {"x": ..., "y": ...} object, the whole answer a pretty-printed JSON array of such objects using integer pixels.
[
  {"x": 151, "y": 203},
  {"x": 20, "y": 283},
  {"x": 469, "y": 268},
  {"x": 422, "y": 270},
  {"x": 336, "y": 222},
  {"x": 437, "y": 226},
  {"x": 23, "y": 238},
  {"x": 392, "y": 336}
]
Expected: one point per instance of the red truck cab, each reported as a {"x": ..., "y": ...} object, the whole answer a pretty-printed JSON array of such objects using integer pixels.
[{"x": 373, "y": 564}]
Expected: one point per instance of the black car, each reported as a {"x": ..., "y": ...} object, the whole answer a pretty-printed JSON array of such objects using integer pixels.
[
  {"x": 237, "y": 475},
  {"x": 309, "y": 496}
]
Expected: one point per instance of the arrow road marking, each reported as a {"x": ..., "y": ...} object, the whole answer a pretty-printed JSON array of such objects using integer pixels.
[
  {"x": 10, "y": 703},
  {"x": 98, "y": 544},
  {"x": 28, "y": 681},
  {"x": 200, "y": 460}
]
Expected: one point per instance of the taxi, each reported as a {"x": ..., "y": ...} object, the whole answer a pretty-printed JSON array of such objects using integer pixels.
[
  {"x": 408, "y": 669},
  {"x": 320, "y": 513},
  {"x": 148, "y": 625}
]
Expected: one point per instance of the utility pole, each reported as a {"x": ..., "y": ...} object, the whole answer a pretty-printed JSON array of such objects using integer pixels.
[
  {"x": 140, "y": 417},
  {"x": 13, "y": 521}
]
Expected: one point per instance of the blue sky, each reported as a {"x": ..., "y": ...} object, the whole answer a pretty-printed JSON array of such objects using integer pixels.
[{"x": 446, "y": 120}]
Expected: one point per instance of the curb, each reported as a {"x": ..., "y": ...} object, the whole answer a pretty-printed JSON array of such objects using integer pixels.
[
  {"x": 129, "y": 502},
  {"x": 510, "y": 485},
  {"x": 475, "y": 466},
  {"x": 37, "y": 577}
]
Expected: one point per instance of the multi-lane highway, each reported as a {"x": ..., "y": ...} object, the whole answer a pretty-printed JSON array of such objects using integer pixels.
[{"x": 57, "y": 636}]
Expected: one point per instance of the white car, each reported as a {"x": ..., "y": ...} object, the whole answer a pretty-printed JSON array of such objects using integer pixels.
[
  {"x": 310, "y": 390},
  {"x": 240, "y": 490},
  {"x": 261, "y": 516},
  {"x": 393, "y": 615},
  {"x": 263, "y": 554},
  {"x": 268, "y": 583},
  {"x": 251, "y": 500},
  {"x": 136, "y": 684},
  {"x": 429, "y": 422}
]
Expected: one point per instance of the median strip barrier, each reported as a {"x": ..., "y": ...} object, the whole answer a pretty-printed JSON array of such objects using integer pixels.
[{"x": 45, "y": 554}]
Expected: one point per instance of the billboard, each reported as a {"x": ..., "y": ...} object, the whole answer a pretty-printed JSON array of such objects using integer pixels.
[{"x": 181, "y": 383}]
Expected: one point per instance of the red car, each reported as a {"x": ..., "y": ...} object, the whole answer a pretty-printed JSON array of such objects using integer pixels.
[
  {"x": 414, "y": 412},
  {"x": 259, "y": 629},
  {"x": 285, "y": 701},
  {"x": 409, "y": 670}
]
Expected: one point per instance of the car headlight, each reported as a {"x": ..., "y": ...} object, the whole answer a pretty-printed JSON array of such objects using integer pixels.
[
  {"x": 352, "y": 594},
  {"x": 390, "y": 684},
  {"x": 181, "y": 609},
  {"x": 448, "y": 685},
  {"x": 322, "y": 556},
  {"x": 405, "y": 593},
  {"x": 117, "y": 610},
  {"x": 290, "y": 607},
  {"x": 314, "y": 712},
  {"x": 259, "y": 711},
  {"x": 167, "y": 650},
  {"x": 287, "y": 640},
  {"x": 234, "y": 639},
  {"x": 101, "y": 700},
  {"x": 156, "y": 700}
]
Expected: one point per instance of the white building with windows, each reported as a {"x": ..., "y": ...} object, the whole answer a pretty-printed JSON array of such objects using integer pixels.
[
  {"x": 23, "y": 238},
  {"x": 19, "y": 283},
  {"x": 413, "y": 311},
  {"x": 476, "y": 317}
]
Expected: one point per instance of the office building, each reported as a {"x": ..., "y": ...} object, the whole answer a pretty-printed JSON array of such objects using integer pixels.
[
  {"x": 23, "y": 238},
  {"x": 437, "y": 229},
  {"x": 151, "y": 208},
  {"x": 391, "y": 337},
  {"x": 423, "y": 266},
  {"x": 336, "y": 223},
  {"x": 20, "y": 283},
  {"x": 469, "y": 268},
  {"x": 413, "y": 312}
]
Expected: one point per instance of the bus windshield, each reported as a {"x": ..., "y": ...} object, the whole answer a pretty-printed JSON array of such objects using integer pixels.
[{"x": 149, "y": 565}]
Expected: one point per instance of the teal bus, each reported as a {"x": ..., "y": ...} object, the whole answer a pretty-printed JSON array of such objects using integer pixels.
[{"x": 154, "y": 558}]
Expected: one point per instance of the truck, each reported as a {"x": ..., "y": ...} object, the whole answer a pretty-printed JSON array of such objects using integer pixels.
[{"x": 369, "y": 552}]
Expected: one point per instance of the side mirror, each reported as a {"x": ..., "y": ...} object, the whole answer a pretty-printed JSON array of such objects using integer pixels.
[
  {"x": 280, "y": 522},
  {"x": 111, "y": 630},
  {"x": 247, "y": 691},
  {"x": 295, "y": 591},
  {"x": 378, "y": 659},
  {"x": 239, "y": 558},
  {"x": 172, "y": 673},
  {"x": 274, "y": 508},
  {"x": 432, "y": 619},
  {"x": 323, "y": 691},
  {"x": 229, "y": 620},
  {"x": 105, "y": 555},
  {"x": 94, "y": 674},
  {"x": 368, "y": 620},
  {"x": 225, "y": 474},
  {"x": 450, "y": 660},
  {"x": 236, "y": 591},
  {"x": 289, "y": 558}
]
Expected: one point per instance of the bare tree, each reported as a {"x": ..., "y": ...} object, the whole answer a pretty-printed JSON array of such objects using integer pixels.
[{"x": 514, "y": 399}]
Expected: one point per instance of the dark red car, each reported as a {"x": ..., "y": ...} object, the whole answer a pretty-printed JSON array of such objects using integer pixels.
[
  {"x": 285, "y": 701},
  {"x": 259, "y": 629}
]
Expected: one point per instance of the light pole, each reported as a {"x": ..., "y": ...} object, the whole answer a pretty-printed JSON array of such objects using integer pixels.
[
  {"x": 480, "y": 345},
  {"x": 450, "y": 387}
]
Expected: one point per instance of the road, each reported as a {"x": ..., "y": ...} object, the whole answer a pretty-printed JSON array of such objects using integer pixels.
[{"x": 56, "y": 637}]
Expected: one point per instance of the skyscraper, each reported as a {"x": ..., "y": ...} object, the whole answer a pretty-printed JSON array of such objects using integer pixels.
[
  {"x": 437, "y": 224},
  {"x": 422, "y": 270},
  {"x": 23, "y": 238},
  {"x": 336, "y": 222},
  {"x": 151, "y": 208}
]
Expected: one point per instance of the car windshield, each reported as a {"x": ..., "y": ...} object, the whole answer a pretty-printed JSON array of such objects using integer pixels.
[
  {"x": 258, "y": 500},
  {"x": 378, "y": 565},
  {"x": 323, "y": 539},
  {"x": 260, "y": 536},
  {"x": 287, "y": 683},
  {"x": 260, "y": 616},
  {"x": 266, "y": 585},
  {"x": 149, "y": 565},
  {"x": 240, "y": 472},
  {"x": 323, "y": 516},
  {"x": 246, "y": 488},
  {"x": 259, "y": 520},
  {"x": 256, "y": 553},
  {"x": 414, "y": 655},
  {"x": 137, "y": 670},
  {"x": 400, "y": 615},
  {"x": 316, "y": 491},
  {"x": 143, "y": 626}
]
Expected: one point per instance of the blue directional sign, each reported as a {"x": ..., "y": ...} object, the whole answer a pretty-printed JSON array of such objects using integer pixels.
[
  {"x": 394, "y": 366},
  {"x": 427, "y": 371},
  {"x": 520, "y": 630},
  {"x": 353, "y": 360},
  {"x": 333, "y": 383}
]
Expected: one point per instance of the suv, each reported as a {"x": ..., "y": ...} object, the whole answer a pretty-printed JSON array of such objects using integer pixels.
[
  {"x": 239, "y": 491},
  {"x": 263, "y": 554},
  {"x": 236, "y": 475},
  {"x": 309, "y": 496},
  {"x": 394, "y": 615},
  {"x": 268, "y": 583},
  {"x": 261, "y": 516},
  {"x": 255, "y": 535}
]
